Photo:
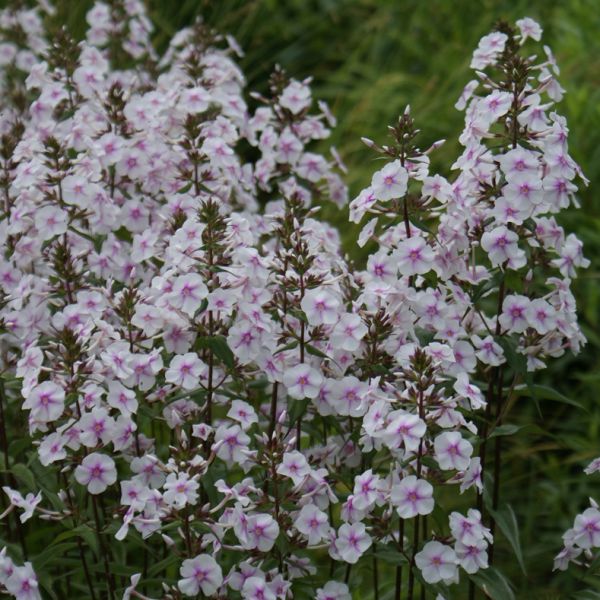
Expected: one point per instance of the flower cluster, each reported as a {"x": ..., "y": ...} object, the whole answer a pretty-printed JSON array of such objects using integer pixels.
[
  {"x": 581, "y": 540},
  {"x": 224, "y": 400}
]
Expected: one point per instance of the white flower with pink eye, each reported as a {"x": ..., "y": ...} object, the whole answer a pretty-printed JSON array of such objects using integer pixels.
[
  {"x": 529, "y": 29},
  {"x": 469, "y": 529},
  {"x": 414, "y": 256},
  {"x": 390, "y": 182},
  {"x": 437, "y": 562},
  {"x": 571, "y": 256},
  {"x": 514, "y": 311},
  {"x": 501, "y": 246},
  {"x": 412, "y": 497},
  {"x": 51, "y": 449},
  {"x": 46, "y": 402},
  {"x": 294, "y": 466},
  {"x": 243, "y": 413},
  {"x": 186, "y": 371},
  {"x": 23, "y": 584},
  {"x": 256, "y": 588},
  {"x": 348, "y": 333},
  {"x": 320, "y": 307},
  {"x": 195, "y": 100},
  {"x": 490, "y": 46},
  {"x": 134, "y": 493},
  {"x": 289, "y": 147},
  {"x": 465, "y": 389},
  {"x": 121, "y": 398},
  {"x": 404, "y": 428},
  {"x": 312, "y": 523},
  {"x": 472, "y": 476},
  {"x": 95, "y": 427},
  {"x": 232, "y": 444},
  {"x": 302, "y": 381},
  {"x": 221, "y": 301},
  {"x": 200, "y": 573},
  {"x": 452, "y": 451},
  {"x": 488, "y": 351},
  {"x": 188, "y": 293},
  {"x": 180, "y": 490},
  {"x": 541, "y": 315},
  {"x": 519, "y": 165},
  {"x": 96, "y": 472},
  {"x": 352, "y": 542},
  {"x": 348, "y": 396},
  {"x": 51, "y": 221},
  {"x": 27, "y": 504},
  {"x": 295, "y": 97},
  {"x": 366, "y": 490},
  {"x": 333, "y": 590},
  {"x": 117, "y": 357},
  {"x": 245, "y": 341},
  {"x": 262, "y": 531},
  {"x": 472, "y": 557},
  {"x": 586, "y": 529}
]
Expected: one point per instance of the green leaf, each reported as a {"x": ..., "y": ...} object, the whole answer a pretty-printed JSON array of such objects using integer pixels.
[
  {"x": 297, "y": 409},
  {"x": 516, "y": 360},
  {"x": 218, "y": 344},
  {"x": 83, "y": 531},
  {"x": 493, "y": 583},
  {"x": 315, "y": 351},
  {"x": 586, "y": 595},
  {"x": 503, "y": 430},
  {"x": 54, "y": 552},
  {"x": 25, "y": 476},
  {"x": 545, "y": 392},
  {"x": 390, "y": 555},
  {"x": 507, "y": 522}
]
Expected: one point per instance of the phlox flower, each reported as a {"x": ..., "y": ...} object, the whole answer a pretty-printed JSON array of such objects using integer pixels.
[
  {"x": 313, "y": 523},
  {"x": 200, "y": 573},
  {"x": 186, "y": 371},
  {"x": 302, "y": 381},
  {"x": 334, "y": 590},
  {"x": 351, "y": 542},
  {"x": 180, "y": 490},
  {"x": 46, "y": 402},
  {"x": 412, "y": 497},
  {"x": 390, "y": 182},
  {"x": 452, "y": 451},
  {"x": 96, "y": 472},
  {"x": 320, "y": 307},
  {"x": 414, "y": 256},
  {"x": 437, "y": 562},
  {"x": 23, "y": 583}
]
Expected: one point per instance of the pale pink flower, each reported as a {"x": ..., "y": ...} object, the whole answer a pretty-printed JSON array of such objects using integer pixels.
[
  {"x": 96, "y": 472},
  {"x": 412, "y": 497},
  {"x": 320, "y": 307},
  {"x": 390, "y": 182},
  {"x": 352, "y": 541},
  {"x": 313, "y": 523},
  {"x": 200, "y": 573},
  {"x": 302, "y": 381},
  {"x": 186, "y": 371},
  {"x": 452, "y": 451},
  {"x": 414, "y": 256},
  {"x": 437, "y": 562}
]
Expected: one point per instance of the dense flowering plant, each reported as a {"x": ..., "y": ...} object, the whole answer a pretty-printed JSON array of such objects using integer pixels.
[{"x": 219, "y": 404}]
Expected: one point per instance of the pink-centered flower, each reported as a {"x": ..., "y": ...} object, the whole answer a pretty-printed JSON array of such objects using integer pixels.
[
  {"x": 412, "y": 497},
  {"x": 96, "y": 472}
]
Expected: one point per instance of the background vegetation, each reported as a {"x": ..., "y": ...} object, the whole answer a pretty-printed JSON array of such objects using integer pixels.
[{"x": 369, "y": 58}]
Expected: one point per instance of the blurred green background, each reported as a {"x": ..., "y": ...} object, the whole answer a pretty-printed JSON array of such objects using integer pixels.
[{"x": 369, "y": 58}]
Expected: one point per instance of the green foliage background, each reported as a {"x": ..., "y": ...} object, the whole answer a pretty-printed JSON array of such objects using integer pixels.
[{"x": 369, "y": 58}]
